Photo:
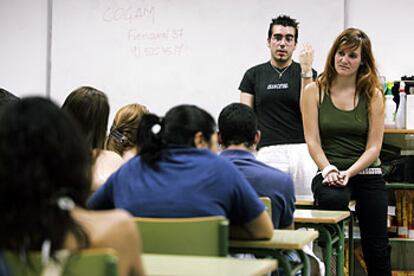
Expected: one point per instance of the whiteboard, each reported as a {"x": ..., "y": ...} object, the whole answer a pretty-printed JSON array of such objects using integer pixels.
[
  {"x": 23, "y": 47},
  {"x": 161, "y": 53}
]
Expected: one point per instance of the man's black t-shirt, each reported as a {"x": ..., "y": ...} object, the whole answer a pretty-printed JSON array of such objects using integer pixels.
[{"x": 276, "y": 102}]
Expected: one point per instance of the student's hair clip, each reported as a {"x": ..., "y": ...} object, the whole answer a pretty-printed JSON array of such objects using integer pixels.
[{"x": 118, "y": 136}]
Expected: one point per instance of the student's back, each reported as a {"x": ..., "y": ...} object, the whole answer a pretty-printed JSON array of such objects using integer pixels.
[
  {"x": 238, "y": 135},
  {"x": 44, "y": 183},
  {"x": 267, "y": 182},
  {"x": 187, "y": 182}
]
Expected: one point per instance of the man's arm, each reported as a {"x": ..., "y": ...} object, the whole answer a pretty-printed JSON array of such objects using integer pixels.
[
  {"x": 246, "y": 98},
  {"x": 306, "y": 60}
]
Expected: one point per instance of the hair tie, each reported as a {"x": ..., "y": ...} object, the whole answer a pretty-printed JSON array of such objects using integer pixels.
[
  {"x": 65, "y": 203},
  {"x": 156, "y": 128}
]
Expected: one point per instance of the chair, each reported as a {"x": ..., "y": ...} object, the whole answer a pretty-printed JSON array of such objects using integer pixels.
[
  {"x": 268, "y": 203},
  {"x": 204, "y": 236},
  {"x": 87, "y": 262}
]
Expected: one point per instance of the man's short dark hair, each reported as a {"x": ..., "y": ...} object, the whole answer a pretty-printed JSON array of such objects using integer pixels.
[
  {"x": 237, "y": 125},
  {"x": 285, "y": 21}
]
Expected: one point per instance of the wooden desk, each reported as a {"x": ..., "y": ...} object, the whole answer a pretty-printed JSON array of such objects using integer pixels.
[
  {"x": 306, "y": 202},
  {"x": 330, "y": 225},
  {"x": 319, "y": 216},
  {"x": 159, "y": 264},
  {"x": 281, "y": 240}
]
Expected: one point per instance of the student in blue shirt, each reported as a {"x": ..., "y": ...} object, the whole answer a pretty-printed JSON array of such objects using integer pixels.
[
  {"x": 239, "y": 135},
  {"x": 177, "y": 175}
]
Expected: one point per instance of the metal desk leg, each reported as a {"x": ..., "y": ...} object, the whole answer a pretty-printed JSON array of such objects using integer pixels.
[
  {"x": 305, "y": 261},
  {"x": 340, "y": 245},
  {"x": 326, "y": 237}
]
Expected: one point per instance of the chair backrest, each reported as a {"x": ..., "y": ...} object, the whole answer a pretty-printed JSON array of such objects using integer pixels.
[
  {"x": 268, "y": 203},
  {"x": 88, "y": 262},
  {"x": 205, "y": 236}
]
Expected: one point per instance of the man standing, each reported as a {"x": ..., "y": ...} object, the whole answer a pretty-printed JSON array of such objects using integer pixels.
[
  {"x": 238, "y": 135},
  {"x": 273, "y": 90}
]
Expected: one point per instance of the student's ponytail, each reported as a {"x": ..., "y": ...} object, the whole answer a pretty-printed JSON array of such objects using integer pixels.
[{"x": 150, "y": 138}]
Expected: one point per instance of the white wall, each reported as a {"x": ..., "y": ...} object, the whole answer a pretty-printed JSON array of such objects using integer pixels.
[
  {"x": 23, "y": 46},
  {"x": 389, "y": 24}
]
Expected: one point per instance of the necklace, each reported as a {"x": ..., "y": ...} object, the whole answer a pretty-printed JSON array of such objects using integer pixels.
[{"x": 281, "y": 71}]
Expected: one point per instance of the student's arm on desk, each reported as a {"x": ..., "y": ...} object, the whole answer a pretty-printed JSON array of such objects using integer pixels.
[
  {"x": 257, "y": 229},
  {"x": 246, "y": 98}
]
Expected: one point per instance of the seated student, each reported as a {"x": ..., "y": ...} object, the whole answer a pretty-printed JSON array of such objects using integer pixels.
[
  {"x": 90, "y": 108},
  {"x": 44, "y": 184},
  {"x": 176, "y": 175},
  {"x": 238, "y": 134},
  {"x": 122, "y": 138}
]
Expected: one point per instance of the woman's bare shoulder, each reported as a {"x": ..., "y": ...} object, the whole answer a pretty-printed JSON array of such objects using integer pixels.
[
  {"x": 106, "y": 163},
  {"x": 110, "y": 157}
]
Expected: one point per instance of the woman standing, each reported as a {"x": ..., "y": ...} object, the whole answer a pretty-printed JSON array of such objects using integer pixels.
[{"x": 343, "y": 115}]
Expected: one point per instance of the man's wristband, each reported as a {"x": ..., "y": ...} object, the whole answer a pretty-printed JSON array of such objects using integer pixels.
[
  {"x": 328, "y": 169},
  {"x": 306, "y": 75}
]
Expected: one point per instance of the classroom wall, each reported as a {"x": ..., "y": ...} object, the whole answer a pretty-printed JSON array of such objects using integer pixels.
[
  {"x": 24, "y": 32},
  {"x": 389, "y": 24}
]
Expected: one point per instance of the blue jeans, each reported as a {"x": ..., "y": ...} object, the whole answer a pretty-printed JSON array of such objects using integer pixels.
[{"x": 371, "y": 209}]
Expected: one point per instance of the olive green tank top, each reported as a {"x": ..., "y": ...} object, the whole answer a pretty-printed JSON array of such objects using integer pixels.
[{"x": 343, "y": 133}]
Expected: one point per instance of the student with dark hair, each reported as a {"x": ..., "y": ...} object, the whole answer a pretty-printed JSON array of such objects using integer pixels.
[
  {"x": 178, "y": 175},
  {"x": 90, "y": 108},
  {"x": 238, "y": 134},
  {"x": 6, "y": 98},
  {"x": 44, "y": 184},
  {"x": 273, "y": 90},
  {"x": 343, "y": 115},
  {"x": 122, "y": 138}
]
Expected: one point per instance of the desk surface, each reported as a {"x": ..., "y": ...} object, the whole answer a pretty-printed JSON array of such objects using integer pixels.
[
  {"x": 307, "y": 200},
  {"x": 160, "y": 264},
  {"x": 319, "y": 216},
  {"x": 282, "y": 239}
]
